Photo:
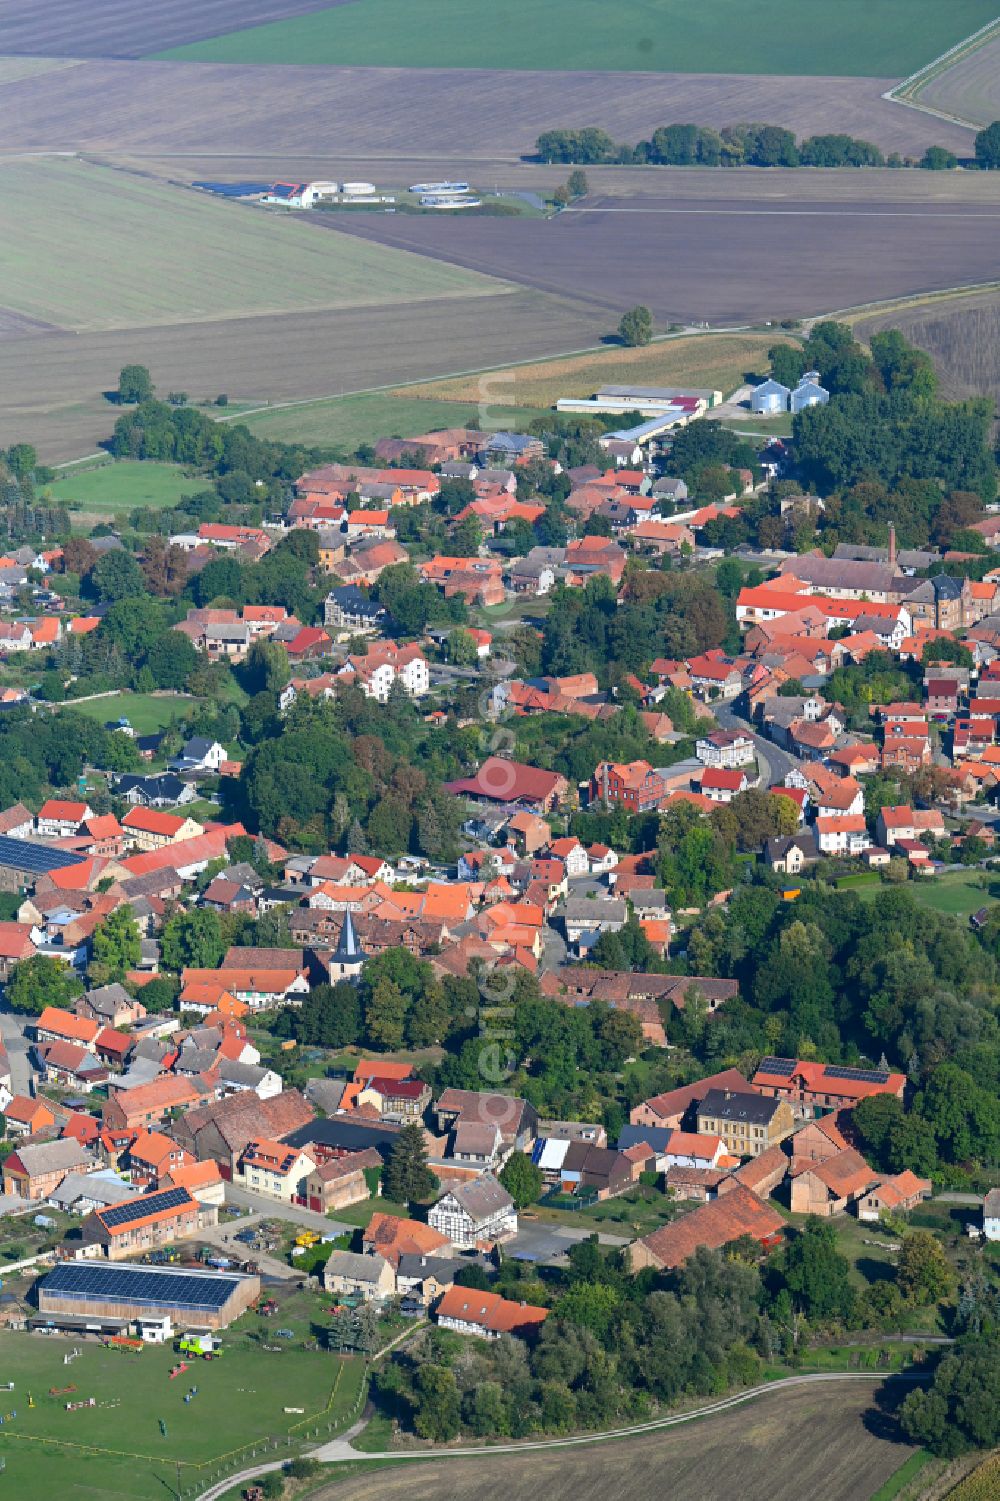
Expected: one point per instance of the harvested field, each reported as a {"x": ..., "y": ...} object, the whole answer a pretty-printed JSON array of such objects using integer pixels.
[
  {"x": 852, "y": 38},
  {"x": 15, "y": 325},
  {"x": 377, "y": 113},
  {"x": 961, "y": 334},
  {"x": 693, "y": 261},
  {"x": 54, "y": 398},
  {"x": 719, "y": 361},
  {"x": 114, "y": 28},
  {"x": 14, "y": 69},
  {"x": 809, "y": 1442},
  {"x": 145, "y": 253},
  {"x": 969, "y": 89}
]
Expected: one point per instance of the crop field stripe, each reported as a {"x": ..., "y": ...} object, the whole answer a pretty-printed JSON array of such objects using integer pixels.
[
  {"x": 851, "y": 38},
  {"x": 680, "y": 264},
  {"x": 912, "y": 85},
  {"x": 385, "y": 117},
  {"x": 146, "y": 253}
]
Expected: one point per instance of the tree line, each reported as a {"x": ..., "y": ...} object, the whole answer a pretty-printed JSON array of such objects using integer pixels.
[
  {"x": 618, "y": 1348},
  {"x": 754, "y": 144}
]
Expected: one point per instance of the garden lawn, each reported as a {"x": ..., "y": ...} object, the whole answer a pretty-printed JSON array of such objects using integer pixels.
[
  {"x": 957, "y": 892},
  {"x": 637, "y": 1212},
  {"x": 117, "y": 1448},
  {"x": 126, "y": 484},
  {"x": 146, "y": 712},
  {"x": 852, "y": 38}
]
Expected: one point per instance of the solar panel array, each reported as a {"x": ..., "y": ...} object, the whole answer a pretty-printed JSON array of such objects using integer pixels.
[
  {"x": 141, "y": 1285},
  {"x": 144, "y": 1205},
  {"x": 784, "y": 1067},
  {"x": 863, "y": 1075},
  {"x": 24, "y": 854}
]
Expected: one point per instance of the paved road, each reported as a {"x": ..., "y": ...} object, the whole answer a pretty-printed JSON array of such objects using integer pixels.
[
  {"x": 12, "y": 1031},
  {"x": 340, "y": 1450},
  {"x": 260, "y": 1205},
  {"x": 775, "y": 763}
]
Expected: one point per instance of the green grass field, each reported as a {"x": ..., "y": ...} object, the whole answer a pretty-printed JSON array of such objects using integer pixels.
[
  {"x": 853, "y": 38},
  {"x": 117, "y": 1449},
  {"x": 121, "y": 486},
  {"x": 345, "y": 421},
  {"x": 957, "y": 892},
  {"x": 146, "y": 712},
  {"x": 131, "y": 252}
]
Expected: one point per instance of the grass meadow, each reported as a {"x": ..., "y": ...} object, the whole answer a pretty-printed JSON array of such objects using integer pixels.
[
  {"x": 118, "y": 1449},
  {"x": 148, "y": 713},
  {"x": 345, "y": 421},
  {"x": 957, "y": 892},
  {"x": 122, "y": 251},
  {"x": 852, "y": 38},
  {"x": 116, "y": 488}
]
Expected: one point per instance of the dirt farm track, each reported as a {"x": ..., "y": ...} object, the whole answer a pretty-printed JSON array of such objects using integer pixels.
[{"x": 819, "y": 1443}]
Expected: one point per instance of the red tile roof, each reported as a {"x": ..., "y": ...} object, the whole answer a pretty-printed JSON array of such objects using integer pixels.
[{"x": 715, "y": 1224}]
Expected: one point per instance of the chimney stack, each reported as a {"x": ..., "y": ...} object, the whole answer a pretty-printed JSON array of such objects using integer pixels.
[{"x": 892, "y": 544}]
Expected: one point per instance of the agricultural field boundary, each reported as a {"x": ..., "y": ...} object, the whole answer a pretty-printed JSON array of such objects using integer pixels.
[
  {"x": 340, "y": 1450},
  {"x": 392, "y": 387},
  {"x": 908, "y": 92}
]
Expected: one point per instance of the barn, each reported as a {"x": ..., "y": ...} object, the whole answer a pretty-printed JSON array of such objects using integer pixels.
[{"x": 78, "y": 1291}]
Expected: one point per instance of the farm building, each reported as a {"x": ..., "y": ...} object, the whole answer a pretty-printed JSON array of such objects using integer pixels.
[
  {"x": 79, "y": 1290},
  {"x": 144, "y": 1224},
  {"x": 770, "y": 397},
  {"x": 808, "y": 393}
]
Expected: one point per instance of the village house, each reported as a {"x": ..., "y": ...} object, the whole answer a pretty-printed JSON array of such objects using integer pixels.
[
  {"x": 279, "y": 1171},
  {"x": 59, "y": 818},
  {"x": 350, "y": 1274},
  {"x": 902, "y": 822},
  {"x": 36, "y": 1169},
  {"x": 469, "y": 1311},
  {"x": 480, "y": 1212},
  {"x": 725, "y": 749},
  {"x": 894, "y": 1195},
  {"x": 26, "y": 1117},
  {"x": 340, "y": 1182},
  {"x": 748, "y": 1123},
  {"x": 679, "y": 1107}
]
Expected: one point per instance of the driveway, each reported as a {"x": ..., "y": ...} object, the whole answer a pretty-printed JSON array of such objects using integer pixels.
[
  {"x": 263, "y": 1207},
  {"x": 548, "y": 1244},
  {"x": 12, "y": 1032}
]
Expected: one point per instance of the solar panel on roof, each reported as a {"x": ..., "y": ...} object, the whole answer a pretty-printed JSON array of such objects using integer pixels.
[
  {"x": 134, "y": 1284},
  {"x": 146, "y": 1204},
  {"x": 864, "y": 1075},
  {"x": 24, "y": 854},
  {"x": 782, "y": 1066}
]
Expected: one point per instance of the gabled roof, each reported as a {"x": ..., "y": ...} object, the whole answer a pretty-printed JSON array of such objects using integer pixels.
[{"x": 715, "y": 1224}]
